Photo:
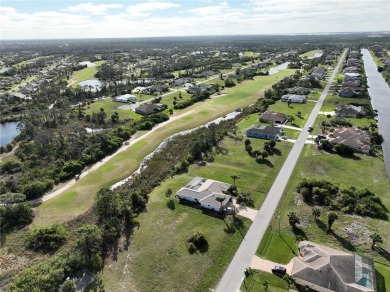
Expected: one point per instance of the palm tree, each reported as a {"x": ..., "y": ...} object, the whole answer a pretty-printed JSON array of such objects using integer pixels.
[
  {"x": 332, "y": 217},
  {"x": 375, "y": 238},
  {"x": 234, "y": 177},
  {"x": 316, "y": 212},
  {"x": 220, "y": 199},
  {"x": 293, "y": 219}
]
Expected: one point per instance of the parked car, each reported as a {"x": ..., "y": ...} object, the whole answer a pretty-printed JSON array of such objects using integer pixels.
[
  {"x": 310, "y": 129},
  {"x": 77, "y": 177},
  {"x": 278, "y": 270}
]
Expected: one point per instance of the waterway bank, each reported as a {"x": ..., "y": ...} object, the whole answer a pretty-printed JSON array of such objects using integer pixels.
[{"x": 379, "y": 92}]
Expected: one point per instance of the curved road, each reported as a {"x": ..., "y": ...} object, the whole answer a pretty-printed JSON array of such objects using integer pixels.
[{"x": 234, "y": 275}]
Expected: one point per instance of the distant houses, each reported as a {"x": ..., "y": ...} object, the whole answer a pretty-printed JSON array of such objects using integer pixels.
[
  {"x": 205, "y": 193},
  {"x": 263, "y": 132},
  {"x": 273, "y": 117}
]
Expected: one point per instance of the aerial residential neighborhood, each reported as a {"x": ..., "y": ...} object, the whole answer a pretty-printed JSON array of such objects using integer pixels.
[{"x": 194, "y": 146}]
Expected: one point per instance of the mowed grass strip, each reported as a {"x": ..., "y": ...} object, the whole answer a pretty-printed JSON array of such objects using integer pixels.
[
  {"x": 126, "y": 162},
  {"x": 363, "y": 172}
]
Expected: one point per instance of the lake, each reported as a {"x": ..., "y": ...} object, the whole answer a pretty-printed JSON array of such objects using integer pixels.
[
  {"x": 95, "y": 83},
  {"x": 276, "y": 69},
  {"x": 380, "y": 99},
  {"x": 7, "y": 132}
]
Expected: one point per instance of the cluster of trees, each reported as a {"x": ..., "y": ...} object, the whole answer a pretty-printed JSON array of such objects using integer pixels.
[
  {"x": 260, "y": 156},
  {"x": 346, "y": 199},
  {"x": 194, "y": 99}
]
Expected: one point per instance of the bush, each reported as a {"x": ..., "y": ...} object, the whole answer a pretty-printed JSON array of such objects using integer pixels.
[
  {"x": 196, "y": 241},
  {"x": 36, "y": 189},
  {"x": 47, "y": 238},
  {"x": 11, "y": 167},
  {"x": 15, "y": 215}
]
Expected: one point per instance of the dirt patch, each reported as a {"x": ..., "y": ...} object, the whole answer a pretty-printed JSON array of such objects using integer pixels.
[{"x": 357, "y": 233}]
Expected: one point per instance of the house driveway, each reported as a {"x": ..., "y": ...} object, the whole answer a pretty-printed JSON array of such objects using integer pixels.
[
  {"x": 266, "y": 266},
  {"x": 333, "y": 113},
  {"x": 245, "y": 211}
]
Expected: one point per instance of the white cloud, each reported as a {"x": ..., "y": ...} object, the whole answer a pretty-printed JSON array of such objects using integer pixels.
[
  {"x": 94, "y": 9},
  {"x": 143, "y": 9}
]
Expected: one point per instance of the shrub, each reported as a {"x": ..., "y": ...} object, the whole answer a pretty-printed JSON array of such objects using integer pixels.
[
  {"x": 47, "y": 238},
  {"x": 11, "y": 167},
  {"x": 15, "y": 215},
  {"x": 196, "y": 241}
]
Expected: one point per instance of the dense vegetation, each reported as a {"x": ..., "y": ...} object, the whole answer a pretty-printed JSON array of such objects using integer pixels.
[{"x": 346, "y": 199}]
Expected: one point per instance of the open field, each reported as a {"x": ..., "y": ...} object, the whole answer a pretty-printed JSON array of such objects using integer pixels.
[
  {"x": 110, "y": 107},
  {"x": 346, "y": 171},
  {"x": 159, "y": 251},
  {"x": 79, "y": 198},
  {"x": 169, "y": 228},
  {"x": 310, "y": 53},
  {"x": 84, "y": 74}
]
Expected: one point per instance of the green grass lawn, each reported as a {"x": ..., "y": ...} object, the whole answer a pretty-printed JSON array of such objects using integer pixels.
[
  {"x": 110, "y": 107},
  {"x": 255, "y": 282},
  {"x": 310, "y": 53},
  {"x": 84, "y": 74},
  {"x": 293, "y": 109},
  {"x": 363, "y": 172},
  {"x": 126, "y": 162},
  {"x": 158, "y": 249}
]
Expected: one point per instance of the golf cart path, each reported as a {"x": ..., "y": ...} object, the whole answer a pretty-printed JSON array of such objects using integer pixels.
[{"x": 95, "y": 166}]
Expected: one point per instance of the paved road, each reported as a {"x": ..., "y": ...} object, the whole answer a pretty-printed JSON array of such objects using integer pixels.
[{"x": 234, "y": 275}]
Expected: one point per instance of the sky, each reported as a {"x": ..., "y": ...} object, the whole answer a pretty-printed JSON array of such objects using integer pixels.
[{"x": 63, "y": 19}]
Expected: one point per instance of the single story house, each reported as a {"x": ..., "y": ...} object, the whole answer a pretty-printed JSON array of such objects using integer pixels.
[
  {"x": 350, "y": 83},
  {"x": 325, "y": 269},
  {"x": 157, "y": 88},
  {"x": 139, "y": 89},
  {"x": 300, "y": 90},
  {"x": 319, "y": 72},
  {"x": 204, "y": 192},
  {"x": 350, "y": 92},
  {"x": 349, "y": 111},
  {"x": 294, "y": 98},
  {"x": 274, "y": 117},
  {"x": 352, "y": 69},
  {"x": 356, "y": 138},
  {"x": 148, "y": 109},
  {"x": 199, "y": 88},
  {"x": 236, "y": 65},
  {"x": 182, "y": 81},
  {"x": 263, "y": 132},
  {"x": 353, "y": 62},
  {"x": 125, "y": 98}
]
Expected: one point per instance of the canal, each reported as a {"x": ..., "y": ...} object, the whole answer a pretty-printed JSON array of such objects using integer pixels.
[{"x": 380, "y": 99}]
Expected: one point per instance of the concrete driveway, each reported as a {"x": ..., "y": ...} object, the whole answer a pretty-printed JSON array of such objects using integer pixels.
[
  {"x": 245, "y": 211},
  {"x": 266, "y": 266}
]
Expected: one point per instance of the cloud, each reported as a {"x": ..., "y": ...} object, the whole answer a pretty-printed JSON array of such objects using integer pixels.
[
  {"x": 143, "y": 9},
  {"x": 94, "y": 9}
]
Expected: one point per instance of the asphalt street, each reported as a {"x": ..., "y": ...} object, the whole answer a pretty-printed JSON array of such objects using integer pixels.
[{"x": 234, "y": 275}]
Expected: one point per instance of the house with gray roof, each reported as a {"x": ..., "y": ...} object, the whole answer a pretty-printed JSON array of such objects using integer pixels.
[
  {"x": 263, "y": 132},
  {"x": 274, "y": 117},
  {"x": 356, "y": 138},
  {"x": 349, "y": 111},
  {"x": 204, "y": 192},
  {"x": 325, "y": 269}
]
